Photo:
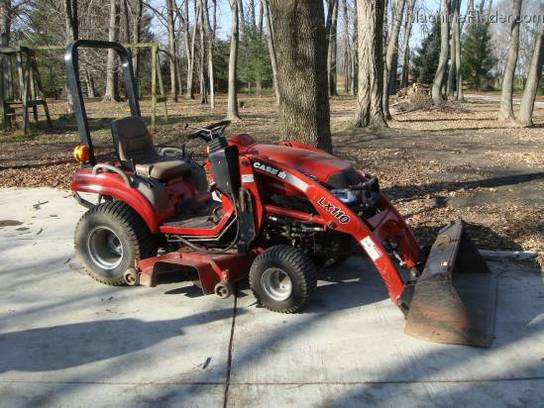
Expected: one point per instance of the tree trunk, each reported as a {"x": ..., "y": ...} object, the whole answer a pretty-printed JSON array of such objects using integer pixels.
[
  {"x": 214, "y": 25},
  {"x": 453, "y": 56},
  {"x": 202, "y": 55},
  {"x": 392, "y": 88},
  {"x": 124, "y": 36},
  {"x": 271, "y": 49},
  {"x": 209, "y": 43},
  {"x": 253, "y": 22},
  {"x": 444, "y": 48},
  {"x": 242, "y": 13},
  {"x": 252, "y": 13},
  {"x": 5, "y": 30},
  {"x": 392, "y": 50},
  {"x": 371, "y": 73},
  {"x": 506, "y": 112},
  {"x": 136, "y": 35},
  {"x": 260, "y": 19},
  {"x": 232, "y": 103},
  {"x": 191, "y": 65},
  {"x": 185, "y": 22},
  {"x": 347, "y": 47},
  {"x": 458, "y": 71},
  {"x": 527, "y": 104},
  {"x": 354, "y": 53},
  {"x": 172, "y": 49},
  {"x": 71, "y": 21},
  {"x": 332, "y": 31},
  {"x": 408, "y": 23},
  {"x": 111, "y": 82},
  {"x": 299, "y": 27},
  {"x": 89, "y": 82}
]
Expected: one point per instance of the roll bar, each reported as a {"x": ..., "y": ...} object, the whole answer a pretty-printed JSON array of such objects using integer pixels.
[{"x": 71, "y": 61}]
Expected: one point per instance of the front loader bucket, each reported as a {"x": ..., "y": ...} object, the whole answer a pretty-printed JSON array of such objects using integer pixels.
[{"x": 454, "y": 298}]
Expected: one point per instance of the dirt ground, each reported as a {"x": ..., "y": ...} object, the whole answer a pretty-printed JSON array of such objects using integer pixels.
[{"x": 436, "y": 165}]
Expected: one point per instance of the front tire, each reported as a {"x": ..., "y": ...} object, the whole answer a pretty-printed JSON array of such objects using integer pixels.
[
  {"x": 109, "y": 239},
  {"x": 282, "y": 278}
]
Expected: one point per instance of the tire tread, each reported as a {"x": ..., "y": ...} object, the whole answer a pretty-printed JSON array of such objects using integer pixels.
[
  {"x": 301, "y": 265},
  {"x": 140, "y": 237}
]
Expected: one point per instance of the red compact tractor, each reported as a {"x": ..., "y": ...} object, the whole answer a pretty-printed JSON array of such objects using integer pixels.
[{"x": 275, "y": 214}]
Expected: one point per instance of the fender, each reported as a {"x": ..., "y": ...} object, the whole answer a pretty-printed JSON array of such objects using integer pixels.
[{"x": 111, "y": 184}]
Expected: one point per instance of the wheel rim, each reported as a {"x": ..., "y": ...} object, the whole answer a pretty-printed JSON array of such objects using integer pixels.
[
  {"x": 105, "y": 248},
  {"x": 277, "y": 284}
]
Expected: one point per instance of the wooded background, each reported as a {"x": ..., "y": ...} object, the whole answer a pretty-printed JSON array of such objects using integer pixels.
[{"x": 301, "y": 51}]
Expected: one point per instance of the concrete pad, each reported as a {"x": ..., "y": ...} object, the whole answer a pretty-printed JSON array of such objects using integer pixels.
[
  {"x": 66, "y": 338},
  {"x": 349, "y": 347},
  {"x": 67, "y": 341}
]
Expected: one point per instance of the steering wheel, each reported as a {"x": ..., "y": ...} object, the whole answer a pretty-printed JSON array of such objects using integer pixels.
[{"x": 208, "y": 133}]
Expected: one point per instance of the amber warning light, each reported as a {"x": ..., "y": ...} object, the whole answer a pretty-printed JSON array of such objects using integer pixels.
[{"x": 82, "y": 153}]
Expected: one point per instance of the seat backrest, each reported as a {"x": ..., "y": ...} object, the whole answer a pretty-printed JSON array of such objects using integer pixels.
[{"x": 133, "y": 141}]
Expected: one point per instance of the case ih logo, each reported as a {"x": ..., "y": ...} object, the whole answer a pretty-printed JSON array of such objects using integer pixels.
[
  {"x": 335, "y": 211},
  {"x": 270, "y": 170}
]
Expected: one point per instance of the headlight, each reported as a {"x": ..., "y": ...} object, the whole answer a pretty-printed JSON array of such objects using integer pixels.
[{"x": 346, "y": 195}]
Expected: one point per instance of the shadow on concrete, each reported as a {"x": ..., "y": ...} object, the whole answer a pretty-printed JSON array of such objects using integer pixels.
[
  {"x": 350, "y": 284},
  {"x": 519, "y": 320},
  {"x": 71, "y": 345}
]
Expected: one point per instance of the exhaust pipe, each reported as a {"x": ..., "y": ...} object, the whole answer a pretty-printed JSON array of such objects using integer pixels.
[{"x": 454, "y": 298}]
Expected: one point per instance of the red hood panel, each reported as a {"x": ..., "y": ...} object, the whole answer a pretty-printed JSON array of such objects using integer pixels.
[{"x": 317, "y": 164}]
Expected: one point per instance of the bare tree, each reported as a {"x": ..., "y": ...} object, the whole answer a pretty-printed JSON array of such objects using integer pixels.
[
  {"x": 332, "y": 31},
  {"x": 111, "y": 93},
  {"x": 271, "y": 48},
  {"x": 527, "y": 104},
  {"x": 172, "y": 48},
  {"x": 408, "y": 23},
  {"x": 347, "y": 47},
  {"x": 209, "y": 44},
  {"x": 202, "y": 55},
  {"x": 354, "y": 52},
  {"x": 232, "y": 103},
  {"x": 260, "y": 18},
  {"x": 456, "y": 32},
  {"x": 390, "y": 71},
  {"x": 299, "y": 28},
  {"x": 5, "y": 31},
  {"x": 5, "y": 22},
  {"x": 444, "y": 50},
  {"x": 370, "y": 78},
  {"x": 191, "y": 62},
  {"x": 257, "y": 30},
  {"x": 183, "y": 14},
  {"x": 71, "y": 21},
  {"x": 506, "y": 112},
  {"x": 137, "y": 13},
  {"x": 453, "y": 55}
]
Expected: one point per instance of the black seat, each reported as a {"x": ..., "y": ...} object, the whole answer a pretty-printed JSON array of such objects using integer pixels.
[{"x": 134, "y": 144}]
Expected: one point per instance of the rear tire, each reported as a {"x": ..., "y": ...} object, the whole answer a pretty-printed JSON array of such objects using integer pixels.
[
  {"x": 282, "y": 279},
  {"x": 109, "y": 238}
]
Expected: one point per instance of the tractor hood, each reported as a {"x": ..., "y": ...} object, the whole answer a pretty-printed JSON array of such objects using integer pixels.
[{"x": 318, "y": 165}]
